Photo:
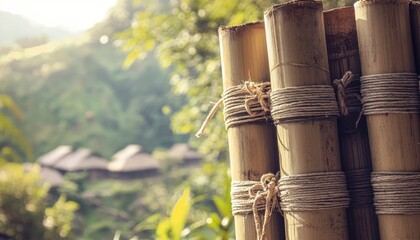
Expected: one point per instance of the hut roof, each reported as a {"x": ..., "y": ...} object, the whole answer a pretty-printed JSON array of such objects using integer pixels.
[
  {"x": 49, "y": 175},
  {"x": 81, "y": 159},
  {"x": 137, "y": 162},
  {"x": 128, "y": 152},
  {"x": 51, "y": 158},
  {"x": 183, "y": 151}
]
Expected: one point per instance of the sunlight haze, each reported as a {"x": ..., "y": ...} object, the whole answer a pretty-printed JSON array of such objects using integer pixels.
[{"x": 73, "y": 15}]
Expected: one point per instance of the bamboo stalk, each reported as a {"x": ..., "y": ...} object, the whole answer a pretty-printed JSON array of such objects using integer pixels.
[
  {"x": 252, "y": 148},
  {"x": 415, "y": 30},
  {"x": 296, "y": 44},
  {"x": 343, "y": 56},
  {"x": 385, "y": 46}
]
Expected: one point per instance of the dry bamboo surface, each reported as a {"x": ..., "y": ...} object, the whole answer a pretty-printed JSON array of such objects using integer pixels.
[
  {"x": 298, "y": 57},
  {"x": 415, "y": 30},
  {"x": 343, "y": 56},
  {"x": 252, "y": 148},
  {"x": 385, "y": 46}
]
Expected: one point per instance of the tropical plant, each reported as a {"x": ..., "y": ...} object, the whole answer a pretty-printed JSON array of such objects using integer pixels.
[
  {"x": 24, "y": 211},
  {"x": 12, "y": 141}
]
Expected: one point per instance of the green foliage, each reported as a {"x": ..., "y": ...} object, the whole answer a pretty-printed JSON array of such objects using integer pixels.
[
  {"x": 10, "y": 132},
  {"x": 185, "y": 37},
  {"x": 81, "y": 96},
  {"x": 59, "y": 218},
  {"x": 24, "y": 213},
  {"x": 172, "y": 226}
]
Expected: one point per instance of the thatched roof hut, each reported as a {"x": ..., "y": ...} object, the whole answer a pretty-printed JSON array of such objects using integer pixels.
[
  {"x": 128, "y": 152},
  {"x": 81, "y": 159},
  {"x": 51, "y": 158},
  {"x": 48, "y": 175},
  {"x": 137, "y": 162},
  {"x": 131, "y": 162},
  {"x": 51, "y": 176},
  {"x": 184, "y": 153}
]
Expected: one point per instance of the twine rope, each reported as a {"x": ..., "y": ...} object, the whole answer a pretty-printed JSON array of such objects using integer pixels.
[
  {"x": 359, "y": 187},
  {"x": 268, "y": 195},
  {"x": 303, "y": 103},
  {"x": 246, "y": 103},
  {"x": 252, "y": 196},
  {"x": 390, "y": 93},
  {"x": 313, "y": 191},
  {"x": 349, "y": 99},
  {"x": 396, "y": 192},
  {"x": 304, "y": 192}
]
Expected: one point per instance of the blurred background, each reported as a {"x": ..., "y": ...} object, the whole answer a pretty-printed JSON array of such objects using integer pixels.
[{"x": 99, "y": 103}]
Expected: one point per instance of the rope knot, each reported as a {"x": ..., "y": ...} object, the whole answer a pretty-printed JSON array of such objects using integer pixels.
[
  {"x": 260, "y": 94},
  {"x": 340, "y": 85},
  {"x": 268, "y": 195}
]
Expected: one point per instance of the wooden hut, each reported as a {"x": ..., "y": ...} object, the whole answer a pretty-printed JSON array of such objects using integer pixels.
[
  {"x": 184, "y": 154},
  {"x": 83, "y": 160},
  {"x": 131, "y": 162},
  {"x": 51, "y": 158}
]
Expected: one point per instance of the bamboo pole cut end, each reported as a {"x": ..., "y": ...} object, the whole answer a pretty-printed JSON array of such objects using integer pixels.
[
  {"x": 293, "y": 4},
  {"x": 338, "y": 21},
  {"x": 364, "y": 3},
  {"x": 242, "y": 27}
]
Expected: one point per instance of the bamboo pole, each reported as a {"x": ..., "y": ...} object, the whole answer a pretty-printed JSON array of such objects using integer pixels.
[
  {"x": 252, "y": 148},
  {"x": 343, "y": 56},
  {"x": 385, "y": 46},
  {"x": 295, "y": 38},
  {"x": 415, "y": 30}
]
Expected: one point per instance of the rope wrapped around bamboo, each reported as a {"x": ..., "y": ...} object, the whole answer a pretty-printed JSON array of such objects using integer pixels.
[
  {"x": 359, "y": 187},
  {"x": 247, "y": 103},
  {"x": 303, "y": 103},
  {"x": 303, "y": 192},
  {"x": 243, "y": 104},
  {"x": 241, "y": 199},
  {"x": 254, "y": 197},
  {"x": 390, "y": 93},
  {"x": 396, "y": 192},
  {"x": 313, "y": 191}
]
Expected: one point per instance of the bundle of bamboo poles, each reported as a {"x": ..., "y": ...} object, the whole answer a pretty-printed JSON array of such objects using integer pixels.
[{"x": 299, "y": 48}]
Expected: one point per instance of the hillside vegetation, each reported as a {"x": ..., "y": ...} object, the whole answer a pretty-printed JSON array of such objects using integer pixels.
[{"x": 78, "y": 93}]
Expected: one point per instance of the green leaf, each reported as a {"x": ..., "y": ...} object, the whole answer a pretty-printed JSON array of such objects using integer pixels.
[
  {"x": 163, "y": 230},
  {"x": 131, "y": 57},
  {"x": 222, "y": 206},
  {"x": 147, "y": 224},
  {"x": 179, "y": 214},
  {"x": 214, "y": 222}
]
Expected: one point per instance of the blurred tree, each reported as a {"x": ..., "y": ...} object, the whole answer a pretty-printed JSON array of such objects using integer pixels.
[
  {"x": 185, "y": 37},
  {"x": 24, "y": 214}
]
